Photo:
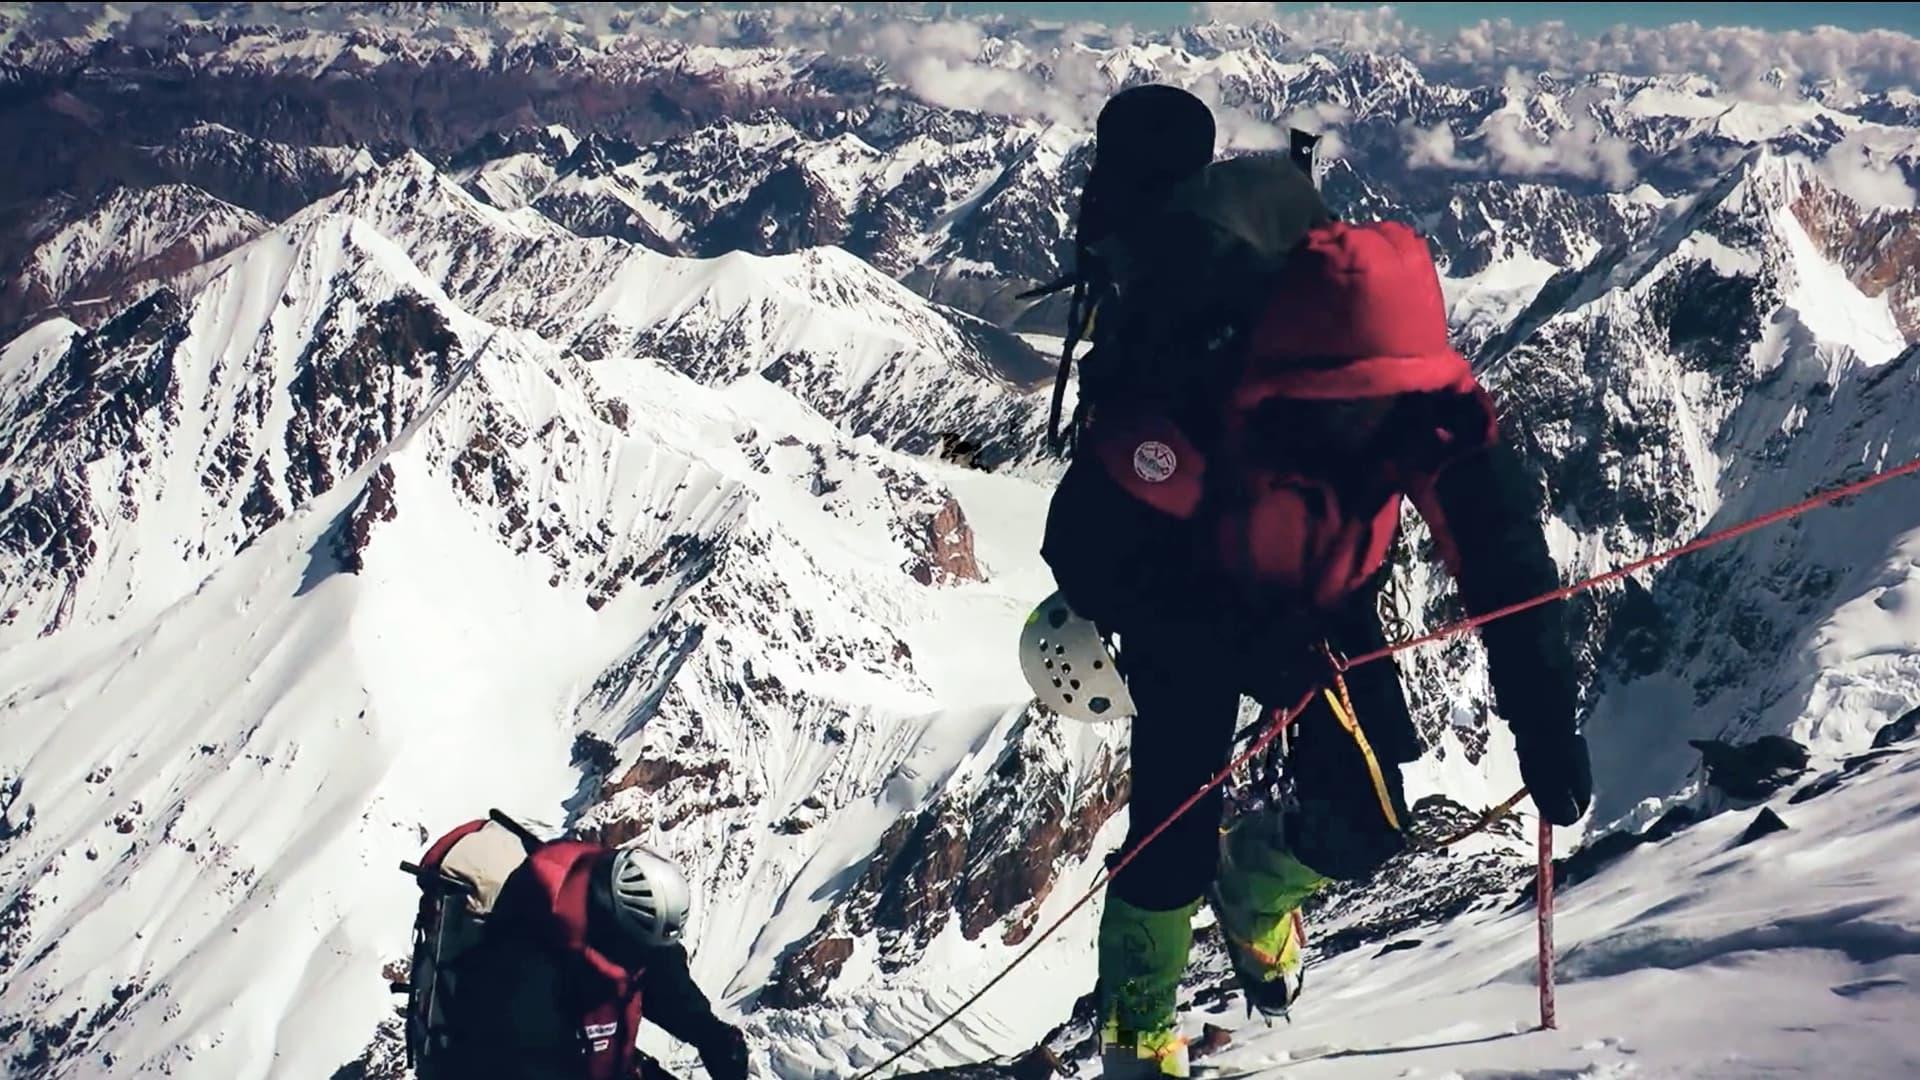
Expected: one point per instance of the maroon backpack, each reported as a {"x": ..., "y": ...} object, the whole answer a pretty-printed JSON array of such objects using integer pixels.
[{"x": 494, "y": 870}]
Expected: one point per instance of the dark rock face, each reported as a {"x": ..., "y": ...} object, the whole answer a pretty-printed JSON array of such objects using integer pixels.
[
  {"x": 789, "y": 211},
  {"x": 695, "y": 776},
  {"x": 271, "y": 178},
  {"x": 1471, "y": 230},
  {"x": 989, "y": 858},
  {"x": 385, "y": 1058},
  {"x": 806, "y": 973},
  {"x": 1608, "y": 849},
  {"x": 1437, "y": 818},
  {"x": 1878, "y": 249},
  {"x": 86, "y": 260},
  {"x": 1898, "y": 731},
  {"x": 35, "y": 1044},
  {"x": 494, "y": 145},
  {"x": 589, "y": 216},
  {"x": 1752, "y": 770},
  {"x": 107, "y": 384},
  {"x": 1765, "y": 824},
  {"x": 1858, "y": 765},
  {"x": 1710, "y": 318},
  {"x": 350, "y": 400},
  {"x": 114, "y": 393},
  {"x": 944, "y": 548},
  {"x": 375, "y": 505}
]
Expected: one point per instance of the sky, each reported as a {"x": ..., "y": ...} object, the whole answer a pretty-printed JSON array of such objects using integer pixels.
[{"x": 1581, "y": 17}]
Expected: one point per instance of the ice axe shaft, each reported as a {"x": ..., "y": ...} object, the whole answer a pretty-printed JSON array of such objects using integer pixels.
[{"x": 1543, "y": 907}]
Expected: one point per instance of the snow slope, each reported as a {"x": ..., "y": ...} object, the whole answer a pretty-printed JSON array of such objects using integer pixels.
[{"x": 1797, "y": 955}]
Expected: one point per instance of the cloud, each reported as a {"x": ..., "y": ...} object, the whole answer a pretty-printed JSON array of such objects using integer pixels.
[
  {"x": 148, "y": 28},
  {"x": 1369, "y": 29},
  {"x": 1861, "y": 171},
  {"x": 940, "y": 80},
  {"x": 956, "y": 64},
  {"x": 1509, "y": 147},
  {"x": 1580, "y": 150},
  {"x": 949, "y": 37},
  {"x": 1433, "y": 148},
  {"x": 1515, "y": 143},
  {"x": 1734, "y": 56},
  {"x": 1247, "y": 134},
  {"x": 1236, "y": 129},
  {"x": 1753, "y": 63},
  {"x": 1235, "y": 14},
  {"x": 936, "y": 53},
  {"x": 1738, "y": 57},
  {"x": 1322, "y": 118},
  {"x": 1319, "y": 115}
]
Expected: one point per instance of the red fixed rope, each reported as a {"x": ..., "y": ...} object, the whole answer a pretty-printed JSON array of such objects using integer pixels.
[{"x": 1282, "y": 717}]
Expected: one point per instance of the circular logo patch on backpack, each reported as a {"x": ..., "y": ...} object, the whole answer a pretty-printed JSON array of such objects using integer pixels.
[{"x": 1154, "y": 462}]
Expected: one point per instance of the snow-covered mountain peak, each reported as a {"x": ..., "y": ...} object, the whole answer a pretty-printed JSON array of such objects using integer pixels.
[
  {"x": 410, "y": 189},
  {"x": 87, "y": 258},
  {"x": 1755, "y": 122}
]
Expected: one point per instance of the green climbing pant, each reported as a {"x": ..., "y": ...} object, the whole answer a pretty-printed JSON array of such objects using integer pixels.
[{"x": 1143, "y": 954}]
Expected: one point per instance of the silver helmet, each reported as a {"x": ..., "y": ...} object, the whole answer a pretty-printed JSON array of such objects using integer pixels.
[
  {"x": 651, "y": 897},
  {"x": 1067, "y": 664}
]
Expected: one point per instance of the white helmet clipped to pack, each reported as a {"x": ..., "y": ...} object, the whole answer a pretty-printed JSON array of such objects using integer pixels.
[
  {"x": 651, "y": 897},
  {"x": 1067, "y": 664}
]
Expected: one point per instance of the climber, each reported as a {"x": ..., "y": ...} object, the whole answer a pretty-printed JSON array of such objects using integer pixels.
[
  {"x": 1265, "y": 386},
  {"x": 532, "y": 960}
]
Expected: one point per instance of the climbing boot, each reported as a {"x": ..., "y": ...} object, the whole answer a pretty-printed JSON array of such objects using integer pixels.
[
  {"x": 1257, "y": 898},
  {"x": 1142, "y": 1055}
]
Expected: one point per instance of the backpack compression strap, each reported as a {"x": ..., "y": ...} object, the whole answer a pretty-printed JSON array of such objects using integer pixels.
[
  {"x": 1300, "y": 149},
  {"x": 1079, "y": 323}
]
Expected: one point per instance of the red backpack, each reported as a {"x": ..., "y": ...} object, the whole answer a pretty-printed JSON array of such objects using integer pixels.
[{"x": 1285, "y": 482}]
